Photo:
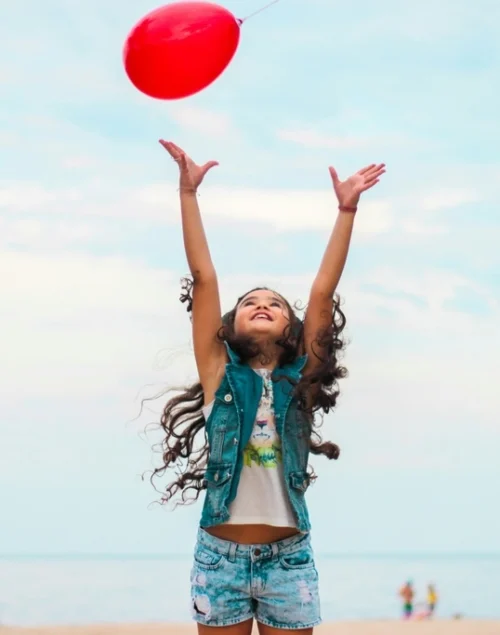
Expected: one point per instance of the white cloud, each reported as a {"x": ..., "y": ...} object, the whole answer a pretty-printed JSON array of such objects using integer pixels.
[
  {"x": 283, "y": 210},
  {"x": 201, "y": 120},
  {"x": 446, "y": 198},
  {"x": 314, "y": 138},
  {"x": 81, "y": 325},
  {"x": 323, "y": 139},
  {"x": 7, "y": 138},
  {"x": 422, "y": 227},
  {"x": 77, "y": 162},
  {"x": 426, "y": 21},
  {"x": 34, "y": 233},
  {"x": 420, "y": 302},
  {"x": 289, "y": 210},
  {"x": 24, "y": 196}
]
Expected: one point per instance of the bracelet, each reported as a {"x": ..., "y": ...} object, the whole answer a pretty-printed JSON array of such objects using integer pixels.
[
  {"x": 352, "y": 210},
  {"x": 188, "y": 190}
]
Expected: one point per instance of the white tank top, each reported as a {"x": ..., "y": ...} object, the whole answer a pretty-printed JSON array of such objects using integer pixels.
[{"x": 261, "y": 498}]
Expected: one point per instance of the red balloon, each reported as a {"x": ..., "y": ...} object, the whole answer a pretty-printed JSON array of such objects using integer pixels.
[{"x": 179, "y": 49}]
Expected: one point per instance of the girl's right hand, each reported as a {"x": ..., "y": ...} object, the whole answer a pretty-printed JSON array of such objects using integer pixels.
[{"x": 190, "y": 174}]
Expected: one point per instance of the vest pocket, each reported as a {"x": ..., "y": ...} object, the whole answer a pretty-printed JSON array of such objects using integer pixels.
[
  {"x": 217, "y": 482},
  {"x": 217, "y": 448},
  {"x": 299, "y": 481},
  {"x": 217, "y": 475}
]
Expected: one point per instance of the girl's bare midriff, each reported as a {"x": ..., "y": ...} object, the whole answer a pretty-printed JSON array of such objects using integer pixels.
[{"x": 251, "y": 534}]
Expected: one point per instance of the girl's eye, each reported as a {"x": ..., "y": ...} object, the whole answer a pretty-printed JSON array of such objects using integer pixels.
[{"x": 275, "y": 303}]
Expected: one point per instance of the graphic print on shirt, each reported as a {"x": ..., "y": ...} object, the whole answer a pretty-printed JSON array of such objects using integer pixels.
[{"x": 264, "y": 447}]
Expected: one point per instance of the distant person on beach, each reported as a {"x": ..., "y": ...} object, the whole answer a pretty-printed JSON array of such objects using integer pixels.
[
  {"x": 407, "y": 594},
  {"x": 242, "y": 434},
  {"x": 432, "y": 598}
]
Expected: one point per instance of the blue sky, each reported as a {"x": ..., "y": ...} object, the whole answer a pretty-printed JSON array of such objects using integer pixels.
[{"x": 91, "y": 256}]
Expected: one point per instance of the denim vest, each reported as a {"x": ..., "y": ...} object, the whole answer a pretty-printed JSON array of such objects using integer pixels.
[{"x": 229, "y": 428}]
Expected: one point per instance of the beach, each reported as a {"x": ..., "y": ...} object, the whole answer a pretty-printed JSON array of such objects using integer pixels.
[{"x": 438, "y": 627}]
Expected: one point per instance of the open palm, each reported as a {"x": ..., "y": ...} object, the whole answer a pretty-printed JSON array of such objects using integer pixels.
[
  {"x": 349, "y": 191},
  {"x": 190, "y": 174}
]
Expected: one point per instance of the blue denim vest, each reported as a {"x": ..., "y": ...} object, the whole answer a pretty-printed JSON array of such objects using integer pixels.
[{"x": 229, "y": 428}]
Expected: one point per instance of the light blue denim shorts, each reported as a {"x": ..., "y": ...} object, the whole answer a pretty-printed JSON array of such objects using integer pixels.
[{"x": 275, "y": 583}]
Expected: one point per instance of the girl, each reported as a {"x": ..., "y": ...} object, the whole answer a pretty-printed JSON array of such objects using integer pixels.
[{"x": 264, "y": 373}]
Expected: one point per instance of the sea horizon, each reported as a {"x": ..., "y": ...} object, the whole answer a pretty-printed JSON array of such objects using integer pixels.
[
  {"x": 82, "y": 588},
  {"x": 187, "y": 554}
]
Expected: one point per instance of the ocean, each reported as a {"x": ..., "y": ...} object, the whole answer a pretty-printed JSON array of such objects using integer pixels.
[{"x": 82, "y": 589}]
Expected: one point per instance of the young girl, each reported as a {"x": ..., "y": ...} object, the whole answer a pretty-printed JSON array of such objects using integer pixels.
[{"x": 264, "y": 373}]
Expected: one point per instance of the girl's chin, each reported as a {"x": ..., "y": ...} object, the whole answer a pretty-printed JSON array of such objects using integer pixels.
[
  {"x": 261, "y": 328},
  {"x": 261, "y": 331}
]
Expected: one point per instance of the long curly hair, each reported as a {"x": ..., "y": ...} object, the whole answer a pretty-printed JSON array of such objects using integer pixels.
[{"x": 184, "y": 447}]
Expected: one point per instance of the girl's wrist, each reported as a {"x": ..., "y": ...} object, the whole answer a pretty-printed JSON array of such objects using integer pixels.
[
  {"x": 187, "y": 191},
  {"x": 348, "y": 209}
]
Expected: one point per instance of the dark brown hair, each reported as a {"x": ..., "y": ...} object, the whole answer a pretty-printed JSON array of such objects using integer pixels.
[{"x": 185, "y": 446}]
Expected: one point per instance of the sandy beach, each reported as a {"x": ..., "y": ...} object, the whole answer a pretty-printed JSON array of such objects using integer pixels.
[{"x": 438, "y": 627}]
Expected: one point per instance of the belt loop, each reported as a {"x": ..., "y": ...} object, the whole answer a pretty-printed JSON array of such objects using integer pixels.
[
  {"x": 275, "y": 549},
  {"x": 231, "y": 556}
]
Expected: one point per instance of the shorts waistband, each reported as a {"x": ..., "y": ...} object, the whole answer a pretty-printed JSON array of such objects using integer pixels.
[{"x": 234, "y": 550}]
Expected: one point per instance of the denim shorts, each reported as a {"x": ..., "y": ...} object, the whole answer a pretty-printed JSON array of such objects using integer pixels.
[{"x": 275, "y": 583}]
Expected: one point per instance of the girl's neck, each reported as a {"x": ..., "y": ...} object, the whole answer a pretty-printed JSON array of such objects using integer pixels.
[
  {"x": 259, "y": 363},
  {"x": 267, "y": 358}
]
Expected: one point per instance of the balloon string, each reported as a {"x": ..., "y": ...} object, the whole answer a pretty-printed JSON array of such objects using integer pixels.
[{"x": 259, "y": 10}]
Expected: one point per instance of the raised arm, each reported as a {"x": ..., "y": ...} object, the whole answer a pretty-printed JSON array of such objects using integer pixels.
[
  {"x": 320, "y": 306},
  {"x": 209, "y": 353}
]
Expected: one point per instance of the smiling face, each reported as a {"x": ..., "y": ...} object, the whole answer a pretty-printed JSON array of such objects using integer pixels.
[{"x": 262, "y": 313}]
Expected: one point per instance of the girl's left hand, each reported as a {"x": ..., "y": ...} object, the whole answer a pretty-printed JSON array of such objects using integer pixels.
[
  {"x": 191, "y": 175},
  {"x": 349, "y": 191}
]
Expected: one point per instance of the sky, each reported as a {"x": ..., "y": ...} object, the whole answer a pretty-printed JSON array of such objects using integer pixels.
[{"x": 91, "y": 257}]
